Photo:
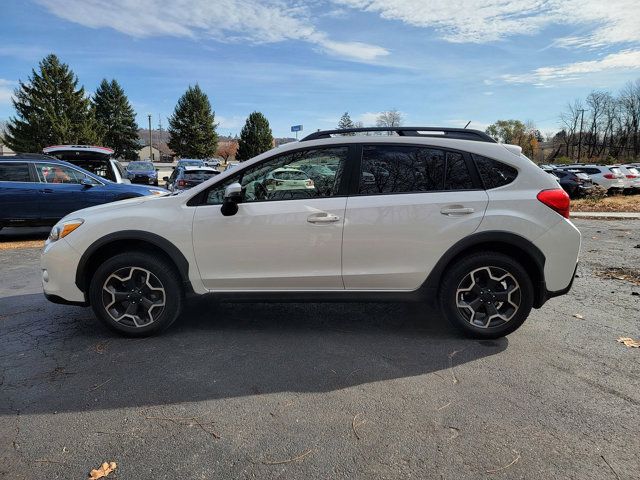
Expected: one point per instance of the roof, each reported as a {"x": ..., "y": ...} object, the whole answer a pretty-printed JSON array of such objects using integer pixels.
[
  {"x": 190, "y": 168},
  {"x": 440, "y": 132}
]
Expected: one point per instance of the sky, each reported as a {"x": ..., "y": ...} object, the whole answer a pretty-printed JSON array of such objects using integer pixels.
[{"x": 439, "y": 62}]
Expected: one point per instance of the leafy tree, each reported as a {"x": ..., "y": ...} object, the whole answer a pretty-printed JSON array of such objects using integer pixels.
[
  {"x": 516, "y": 133},
  {"x": 345, "y": 121},
  {"x": 255, "y": 137},
  {"x": 116, "y": 120},
  {"x": 50, "y": 110},
  {"x": 192, "y": 127}
]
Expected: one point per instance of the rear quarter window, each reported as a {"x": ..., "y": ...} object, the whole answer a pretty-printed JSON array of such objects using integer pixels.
[
  {"x": 14, "y": 172},
  {"x": 494, "y": 174}
]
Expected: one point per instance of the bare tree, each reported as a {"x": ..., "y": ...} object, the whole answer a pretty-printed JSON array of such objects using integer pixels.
[{"x": 390, "y": 118}]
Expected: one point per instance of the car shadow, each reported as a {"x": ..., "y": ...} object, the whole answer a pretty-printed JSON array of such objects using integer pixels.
[{"x": 59, "y": 358}]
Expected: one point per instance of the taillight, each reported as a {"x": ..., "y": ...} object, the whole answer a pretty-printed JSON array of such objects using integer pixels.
[
  {"x": 609, "y": 176},
  {"x": 182, "y": 183},
  {"x": 632, "y": 176},
  {"x": 309, "y": 183},
  {"x": 556, "y": 199}
]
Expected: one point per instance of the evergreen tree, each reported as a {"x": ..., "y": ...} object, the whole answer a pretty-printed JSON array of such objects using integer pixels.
[
  {"x": 255, "y": 137},
  {"x": 116, "y": 120},
  {"x": 50, "y": 110},
  {"x": 192, "y": 127},
  {"x": 345, "y": 121}
]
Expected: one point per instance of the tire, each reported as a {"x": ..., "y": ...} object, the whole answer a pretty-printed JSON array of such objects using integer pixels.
[
  {"x": 469, "y": 290},
  {"x": 140, "y": 279}
]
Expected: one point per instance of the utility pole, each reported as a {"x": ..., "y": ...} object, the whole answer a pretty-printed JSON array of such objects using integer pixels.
[
  {"x": 150, "y": 140},
  {"x": 580, "y": 134}
]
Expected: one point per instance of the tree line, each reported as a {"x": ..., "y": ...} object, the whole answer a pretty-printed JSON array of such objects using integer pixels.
[{"x": 52, "y": 109}]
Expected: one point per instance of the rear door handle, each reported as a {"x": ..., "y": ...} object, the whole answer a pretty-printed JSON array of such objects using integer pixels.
[
  {"x": 47, "y": 190},
  {"x": 323, "y": 217},
  {"x": 455, "y": 210}
]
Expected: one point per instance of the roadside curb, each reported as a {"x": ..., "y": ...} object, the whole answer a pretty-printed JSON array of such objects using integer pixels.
[{"x": 607, "y": 215}]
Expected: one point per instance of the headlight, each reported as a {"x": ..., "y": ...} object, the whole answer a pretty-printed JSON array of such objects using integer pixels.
[{"x": 61, "y": 230}]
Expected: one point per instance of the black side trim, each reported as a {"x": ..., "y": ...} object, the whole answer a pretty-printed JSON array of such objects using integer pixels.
[
  {"x": 433, "y": 280},
  {"x": 549, "y": 294},
  {"x": 165, "y": 245},
  {"x": 62, "y": 301}
]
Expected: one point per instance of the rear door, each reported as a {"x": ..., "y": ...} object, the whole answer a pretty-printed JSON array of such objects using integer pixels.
[
  {"x": 18, "y": 193},
  {"x": 411, "y": 204},
  {"x": 61, "y": 191}
]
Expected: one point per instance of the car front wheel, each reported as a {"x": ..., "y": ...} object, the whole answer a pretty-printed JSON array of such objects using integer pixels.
[
  {"x": 136, "y": 294},
  {"x": 486, "y": 295}
]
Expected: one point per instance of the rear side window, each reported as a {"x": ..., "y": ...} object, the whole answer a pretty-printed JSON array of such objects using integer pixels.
[
  {"x": 457, "y": 175},
  {"x": 401, "y": 169},
  {"x": 14, "y": 172},
  {"x": 494, "y": 174}
]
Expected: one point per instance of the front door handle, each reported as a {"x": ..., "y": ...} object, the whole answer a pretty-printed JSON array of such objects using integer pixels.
[
  {"x": 456, "y": 210},
  {"x": 323, "y": 217},
  {"x": 47, "y": 190}
]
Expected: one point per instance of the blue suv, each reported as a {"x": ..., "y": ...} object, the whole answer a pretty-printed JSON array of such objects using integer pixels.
[{"x": 37, "y": 190}]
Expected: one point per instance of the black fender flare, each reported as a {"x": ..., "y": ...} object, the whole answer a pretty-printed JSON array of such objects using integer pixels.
[{"x": 163, "y": 244}]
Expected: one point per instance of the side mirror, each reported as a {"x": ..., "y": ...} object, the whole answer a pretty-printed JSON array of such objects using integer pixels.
[
  {"x": 87, "y": 182},
  {"x": 232, "y": 196},
  {"x": 165, "y": 179}
]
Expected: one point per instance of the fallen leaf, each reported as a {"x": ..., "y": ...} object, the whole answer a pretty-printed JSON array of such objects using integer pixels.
[
  {"x": 104, "y": 470},
  {"x": 578, "y": 316},
  {"x": 629, "y": 342}
]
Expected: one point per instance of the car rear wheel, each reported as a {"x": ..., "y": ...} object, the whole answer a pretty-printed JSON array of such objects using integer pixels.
[
  {"x": 486, "y": 295},
  {"x": 136, "y": 294}
]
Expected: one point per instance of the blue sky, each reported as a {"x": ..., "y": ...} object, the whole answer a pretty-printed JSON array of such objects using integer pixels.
[{"x": 439, "y": 62}]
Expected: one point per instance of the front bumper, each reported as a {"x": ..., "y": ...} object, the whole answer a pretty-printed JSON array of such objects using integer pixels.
[{"x": 59, "y": 262}]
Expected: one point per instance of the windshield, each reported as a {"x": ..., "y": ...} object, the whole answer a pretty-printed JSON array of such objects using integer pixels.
[
  {"x": 290, "y": 175},
  {"x": 191, "y": 163},
  {"x": 140, "y": 166}
]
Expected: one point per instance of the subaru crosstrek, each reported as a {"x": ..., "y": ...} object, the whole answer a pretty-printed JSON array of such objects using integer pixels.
[{"x": 425, "y": 213}]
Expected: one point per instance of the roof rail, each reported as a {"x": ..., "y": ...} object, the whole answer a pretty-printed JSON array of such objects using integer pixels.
[{"x": 441, "y": 132}]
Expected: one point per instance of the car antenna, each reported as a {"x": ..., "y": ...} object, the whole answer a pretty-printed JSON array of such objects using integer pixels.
[{"x": 467, "y": 124}]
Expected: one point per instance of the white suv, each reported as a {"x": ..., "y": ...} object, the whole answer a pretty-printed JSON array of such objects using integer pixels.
[{"x": 426, "y": 213}]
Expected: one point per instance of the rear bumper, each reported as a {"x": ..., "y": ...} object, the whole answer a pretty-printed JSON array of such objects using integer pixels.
[{"x": 547, "y": 294}]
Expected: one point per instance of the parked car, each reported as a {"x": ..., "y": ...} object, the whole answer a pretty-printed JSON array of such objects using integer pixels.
[
  {"x": 142, "y": 172},
  {"x": 461, "y": 220},
  {"x": 39, "y": 191},
  {"x": 632, "y": 178},
  {"x": 212, "y": 162},
  {"x": 608, "y": 177},
  {"x": 574, "y": 182},
  {"x": 231, "y": 165},
  {"x": 97, "y": 160},
  {"x": 185, "y": 177},
  {"x": 190, "y": 162}
]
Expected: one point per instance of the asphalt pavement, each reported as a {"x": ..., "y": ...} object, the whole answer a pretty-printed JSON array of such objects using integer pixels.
[{"x": 332, "y": 390}]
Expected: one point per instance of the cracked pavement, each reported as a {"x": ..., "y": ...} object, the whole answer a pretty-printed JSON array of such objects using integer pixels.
[{"x": 335, "y": 390}]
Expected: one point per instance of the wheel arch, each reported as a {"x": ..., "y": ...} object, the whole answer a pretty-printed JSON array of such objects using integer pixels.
[
  {"x": 516, "y": 246},
  {"x": 122, "y": 241}
]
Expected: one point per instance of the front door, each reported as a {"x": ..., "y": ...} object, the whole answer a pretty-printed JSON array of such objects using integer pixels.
[
  {"x": 287, "y": 233},
  {"x": 413, "y": 203},
  {"x": 61, "y": 191}
]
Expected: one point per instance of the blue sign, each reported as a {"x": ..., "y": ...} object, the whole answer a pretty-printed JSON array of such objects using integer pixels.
[{"x": 296, "y": 128}]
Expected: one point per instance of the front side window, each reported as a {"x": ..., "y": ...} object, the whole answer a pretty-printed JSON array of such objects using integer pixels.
[
  {"x": 14, "y": 172},
  {"x": 494, "y": 173},
  {"x": 302, "y": 174},
  {"x": 401, "y": 169},
  {"x": 54, "y": 173}
]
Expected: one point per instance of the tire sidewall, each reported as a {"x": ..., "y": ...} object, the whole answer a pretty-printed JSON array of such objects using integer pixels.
[
  {"x": 165, "y": 274},
  {"x": 463, "y": 267}
]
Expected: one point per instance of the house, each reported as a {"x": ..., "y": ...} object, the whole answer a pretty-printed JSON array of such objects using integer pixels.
[
  {"x": 4, "y": 150},
  {"x": 158, "y": 153}
]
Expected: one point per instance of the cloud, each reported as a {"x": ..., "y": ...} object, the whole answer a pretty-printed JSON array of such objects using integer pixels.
[
  {"x": 481, "y": 21},
  {"x": 266, "y": 21},
  {"x": 6, "y": 91},
  {"x": 625, "y": 60}
]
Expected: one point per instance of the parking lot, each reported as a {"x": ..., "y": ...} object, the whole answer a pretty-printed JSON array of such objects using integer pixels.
[{"x": 334, "y": 390}]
